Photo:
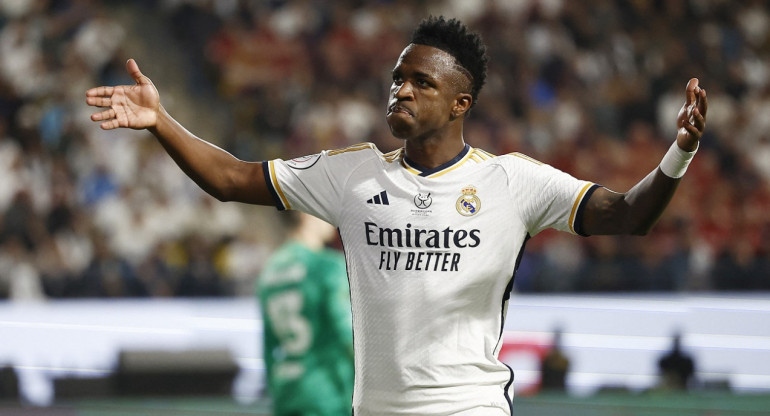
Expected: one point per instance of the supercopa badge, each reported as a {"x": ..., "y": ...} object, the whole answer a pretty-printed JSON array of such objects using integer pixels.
[
  {"x": 303, "y": 162},
  {"x": 423, "y": 201},
  {"x": 468, "y": 203}
]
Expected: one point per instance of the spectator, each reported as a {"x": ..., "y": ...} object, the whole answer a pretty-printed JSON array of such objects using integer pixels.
[
  {"x": 587, "y": 68},
  {"x": 554, "y": 367},
  {"x": 677, "y": 368}
]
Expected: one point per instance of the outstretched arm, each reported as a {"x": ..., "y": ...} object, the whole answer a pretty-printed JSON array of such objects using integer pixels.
[
  {"x": 637, "y": 211},
  {"x": 216, "y": 171}
]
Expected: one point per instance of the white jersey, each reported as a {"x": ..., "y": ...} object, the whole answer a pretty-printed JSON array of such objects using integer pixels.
[{"x": 430, "y": 256}]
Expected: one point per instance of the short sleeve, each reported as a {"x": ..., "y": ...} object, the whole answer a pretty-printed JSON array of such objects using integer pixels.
[
  {"x": 549, "y": 198},
  {"x": 314, "y": 184}
]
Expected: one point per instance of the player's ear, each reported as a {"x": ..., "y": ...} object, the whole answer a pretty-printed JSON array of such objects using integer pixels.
[{"x": 462, "y": 104}]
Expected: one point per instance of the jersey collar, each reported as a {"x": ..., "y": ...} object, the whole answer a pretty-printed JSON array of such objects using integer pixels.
[{"x": 458, "y": 160}]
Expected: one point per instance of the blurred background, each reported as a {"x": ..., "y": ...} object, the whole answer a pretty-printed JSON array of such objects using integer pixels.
[{"x": 107, "y": 249}]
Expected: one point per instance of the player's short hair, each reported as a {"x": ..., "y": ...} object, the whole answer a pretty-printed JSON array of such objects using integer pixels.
[{"x": 454, "y": 38}]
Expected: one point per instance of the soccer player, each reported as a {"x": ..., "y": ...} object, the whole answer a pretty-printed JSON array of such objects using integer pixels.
[
  {"x": 308, "y": 340},
  {"x": 433, "y": 231}
]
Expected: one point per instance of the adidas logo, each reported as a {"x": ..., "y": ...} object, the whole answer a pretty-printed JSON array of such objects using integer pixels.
[{"x": 380, "y": 199}]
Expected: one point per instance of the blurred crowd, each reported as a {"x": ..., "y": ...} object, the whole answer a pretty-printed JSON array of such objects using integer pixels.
[{"x": 592, "y": 88}]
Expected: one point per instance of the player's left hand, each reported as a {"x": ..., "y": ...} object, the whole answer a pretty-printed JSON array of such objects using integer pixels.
[{"x": 691, "y": 121}]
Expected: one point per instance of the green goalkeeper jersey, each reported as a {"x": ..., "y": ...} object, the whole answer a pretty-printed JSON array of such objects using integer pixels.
[{"x": 308, "y": 342}]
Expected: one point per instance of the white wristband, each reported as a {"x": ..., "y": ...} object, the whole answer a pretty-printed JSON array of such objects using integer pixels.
[{"x": 676, "y": 161}]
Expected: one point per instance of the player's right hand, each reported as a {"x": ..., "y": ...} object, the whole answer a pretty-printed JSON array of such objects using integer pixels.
[{"x": 133, "y": 106}]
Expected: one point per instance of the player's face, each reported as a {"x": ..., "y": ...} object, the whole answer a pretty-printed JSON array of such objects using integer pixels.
[{"x": 425, "y": 89}]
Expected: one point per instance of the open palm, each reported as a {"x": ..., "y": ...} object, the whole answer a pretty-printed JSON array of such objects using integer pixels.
[{"x": 133, "y": 106}]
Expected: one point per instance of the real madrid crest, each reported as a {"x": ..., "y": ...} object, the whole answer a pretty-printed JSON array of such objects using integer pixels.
[{"x": 468, "y": 203}]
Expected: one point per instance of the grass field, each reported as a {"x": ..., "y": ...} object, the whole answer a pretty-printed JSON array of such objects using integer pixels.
[{"x": 701, "y": 404}]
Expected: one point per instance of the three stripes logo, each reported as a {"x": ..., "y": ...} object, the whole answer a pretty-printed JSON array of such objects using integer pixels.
[{"x": 379, "y": 199}]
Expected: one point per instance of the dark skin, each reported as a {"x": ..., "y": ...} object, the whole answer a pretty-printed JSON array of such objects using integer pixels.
[{"x": 429, "y": 100}]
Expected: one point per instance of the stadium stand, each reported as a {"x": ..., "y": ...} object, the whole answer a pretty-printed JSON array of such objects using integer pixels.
[{"x": 586, "y": 88}]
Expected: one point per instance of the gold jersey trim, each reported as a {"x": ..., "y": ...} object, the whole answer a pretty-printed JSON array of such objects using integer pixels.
[
  {"x": 575, "y": 206},
  {"x": 525, "y": 157},
  {"x": 353, "y": 148},
  {"x": 277, "y": 186}
]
